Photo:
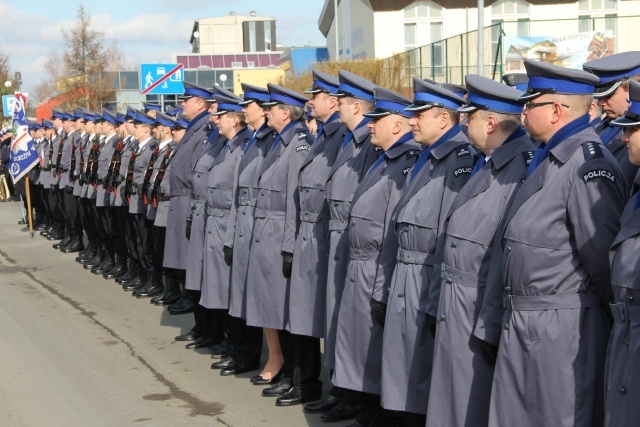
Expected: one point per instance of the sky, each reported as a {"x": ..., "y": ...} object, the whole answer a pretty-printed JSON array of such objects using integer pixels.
[{"x": 145, "y": 30}]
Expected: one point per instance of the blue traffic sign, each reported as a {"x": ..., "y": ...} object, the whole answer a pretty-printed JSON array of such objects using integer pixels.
[
  {"x": 7, "y": 104},
  {"x": 161, "y": 79}
]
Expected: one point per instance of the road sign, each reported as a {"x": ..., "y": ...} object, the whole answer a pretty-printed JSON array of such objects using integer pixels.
[
  {"x": 161, "y": 79},
  {"x": 7, "y": 104}
]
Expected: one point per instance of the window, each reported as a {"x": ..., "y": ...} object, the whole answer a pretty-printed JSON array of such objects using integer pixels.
[
  {"x": 267, "y": 36},
  {"x": 523, "y": 27},
  {"x": 595, "y": 5},
  {"x": 252, "y": 36},
  {"x": 423, "y": 10},
  {"x": 410, "y": 33},
  {"x": 585, "y": 23},
  {"x": 510, "y": 7}
]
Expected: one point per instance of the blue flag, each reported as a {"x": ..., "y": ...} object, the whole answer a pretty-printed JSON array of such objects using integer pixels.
[{"x": 23, "y": 154}]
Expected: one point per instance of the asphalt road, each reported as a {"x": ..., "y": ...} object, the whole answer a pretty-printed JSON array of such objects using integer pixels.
[{"x": 76, "y": 350}]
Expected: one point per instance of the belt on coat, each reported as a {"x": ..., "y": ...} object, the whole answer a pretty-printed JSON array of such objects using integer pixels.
[
  {"x": 218, "y": 212},
  {"x": 267, "y": 213},
  {"x": 550, "y": 302},
  {"x": 412, "y": 257},
  {"x": 460, "y": 277},
  {"x": 307, "y": 216},
  {"x": 338, "y": 224},
  {"x": 181, "y": 192},
  {"x": 622, "y": 312},
  {"x": 247, "y": 201},
  {"x": 363, "y": 254},
  {"x": 164, "y": 198}
]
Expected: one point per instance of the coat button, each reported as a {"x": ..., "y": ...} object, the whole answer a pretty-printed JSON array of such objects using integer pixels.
[
  {"x": 257, "y": 240},
  {"x": 353, "y": 223},
  {"x": 241, "y": 234},
  {"x": 508, "y": 248},
  {"x": 630, "y": 298},
  {"x": 405, "y": 228},
  {"x": 627, "y": 342},
  {"x": 352, "y": 279},
  {"x": 622, "y": 390},
  {"x": 304, "y": 238},
  {"x": 453, "y": 244},
  {"x": 401, "y": 295}
]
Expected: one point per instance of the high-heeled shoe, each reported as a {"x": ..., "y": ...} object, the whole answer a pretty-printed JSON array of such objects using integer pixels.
[{"x": 258, "y": 380}]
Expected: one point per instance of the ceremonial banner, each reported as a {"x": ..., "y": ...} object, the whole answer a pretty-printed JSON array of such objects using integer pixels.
[
  {"x": 23, "y": 154},
  {"x": 570, "y": 50}
]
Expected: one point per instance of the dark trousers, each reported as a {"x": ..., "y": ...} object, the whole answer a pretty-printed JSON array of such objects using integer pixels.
[
  {"x": 131, "y": 239},
  {"x": 246, "y": 342},
  {"x": 159, "y": 235},
  {"x": 104, "y": 227},
  {"x": 35, "y": 192},
  {"x": 143, "y": 241},
  {"x": 44, "y": 196},
  {"x": 302, "y": 361},
  {"x": 89, "y": 219},
  {"x": 63, "y": 211},
  {"x": 72, "y": 209},
  {"x": 117, "y": 227},
  {"x": 56, "y": 209},
  {"x": 210, "y": 322}
]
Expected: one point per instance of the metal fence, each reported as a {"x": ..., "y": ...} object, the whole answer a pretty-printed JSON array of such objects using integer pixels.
[{"x": 449, "y": 60}]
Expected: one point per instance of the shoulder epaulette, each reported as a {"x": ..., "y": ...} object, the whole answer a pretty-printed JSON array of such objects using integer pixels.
[
  {"x": 528, "y": 157},
  {"x": 591, "y": 150},
  {"x": 463, "y": 151}
]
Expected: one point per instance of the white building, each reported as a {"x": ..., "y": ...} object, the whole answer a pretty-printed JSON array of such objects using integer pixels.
[
  {"x": 381, "y": 28},
  {"x": 233, "y": 34}
]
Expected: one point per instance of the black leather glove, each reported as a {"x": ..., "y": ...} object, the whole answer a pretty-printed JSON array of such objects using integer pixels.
[
  {"x": 432, "y": 325},
  {"x": 378, "y": 311},
  {"x": 489, "y": 351},
  {"x": 123, "y": 197},
  {"x": 228, "y": 255},
  {"x": 188, "y": 230},
  {"x": 287, "y": 263}
]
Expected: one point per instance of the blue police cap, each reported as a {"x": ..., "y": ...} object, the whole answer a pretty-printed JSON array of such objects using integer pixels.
[
  {"x": 612, "y": 71},
  {"x": 253, "y": 94},
  {"x": 170, "y": 111},
  {"x": 164, "y": 120},
  {"x": 130, "y": 114},
  {"x": 56, "y": 114},
  {"x": 354, "y": 86},
  {"x": 143, "y": 118},
  {"x": 151, "y": 106},
  {"x": 78, "y": 114},
  {"x": 181, "y": 122},
  {"x": 282, "y": 95},
  {"x": 487, "y": 94},
  {"x": 121, "y": 118},
  {"x": 47, "y": 124},
  {"x": 388, "y": 103},
  {"x": 220, "y": 91},
  {"x": 109, "y": 117},
  {"x": 226, "y": 105},
  {"x": 66, "y": 115},
  {"x": 459, "y": 90},
  {"x": 89, "y": 116},
  {"x": 191, "y": 90},
  {"x": 549, "y": 78},
  {"x": 632, "y": 115},
  {"x": 428, "y": 95},
  {"x": 517, "y": 80},
  {"x": 323, "y": 82}
]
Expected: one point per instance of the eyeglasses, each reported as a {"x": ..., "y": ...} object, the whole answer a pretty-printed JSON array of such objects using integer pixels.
[{"x": 532, "y": 105}]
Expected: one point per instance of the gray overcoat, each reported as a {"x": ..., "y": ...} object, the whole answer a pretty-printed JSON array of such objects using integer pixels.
[
  {"x": 618, "y": 148},
  {"x": 308, "y": 284},
  {"x": 103, "y": 199},
  {"x": 223, "y": 179},
  {"x": 347, "y": 173},
  {"x": 461, "y": 378},
  {"x": 82, "y": 142},
  {"x": 162, "y": 212},
  {"x": 175, "y": 249},
  {"x": 275, "y": 228},
  {"x": 71, "y": 141},
  {"x": 141, "y": 162},
  {"x": 243, "y": 216},
  {"x": 150, "y": 210},
  {"x": 127, "y": 153},
  {"x": 373, "y": 245},
  {"x": 556, "y": 239},
  {"x": 419, "y": 223},
  {"x": 57, "y": 138},
  {"x": 45, "y": 175},
  {"x": 88, "y": 190}
]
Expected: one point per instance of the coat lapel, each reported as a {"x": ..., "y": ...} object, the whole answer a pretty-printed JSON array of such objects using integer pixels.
[{"x": 478, "y": 184}]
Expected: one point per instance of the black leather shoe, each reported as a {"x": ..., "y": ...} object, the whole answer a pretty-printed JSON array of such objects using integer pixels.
[
  {"x": 344, "y": 411},
  {"x": 130, "y": 275},
  {"x": 55, "y": 236},
  {"x": 185, "y": 305},
  {"x": 237, "y": 368},
  {"x": 22, "y": 222},
  {"x": 280, "y": 389},
  {"x": 89, "y": 264},
  {"x": 189, "y": 336},
  {"x": 151, "y": 291},
  {"x": 104, "y": 266},
  {"x": 201, "y": 342},
  {"x": 224, "y": 363},
  {"x": 259, "y": 380},
  {"x": 40, "y": 227},
  {"x": 61, "y": 243},
  {"x": 136, "y": 284},
  {"x": 221, "y": 350},
  {"x": 326, "y": 404},
  {"x": 76, "y": 246},
  {"x": 295, "y": 397},
  {"x": 148, "y": 284},
  {"x": 117, "y": 270},
  {"x": 168, "y": 297}
]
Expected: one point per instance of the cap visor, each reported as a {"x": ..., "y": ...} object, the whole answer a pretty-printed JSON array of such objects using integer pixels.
[
  {"x": 625, "y": 122},
  {"x": 312, "y": 91},
  {"x": 246, "y": 102},
  {"x": 418, "y": 107},
  {"x": 337, "y": 94},
  {"x": 527, "y": 96},
  {"x": 467, "y": 109},
  {"x": 605, "y": 91},
  {"x": 377, "y": 114},
  {"x": 270, "y": 103}
]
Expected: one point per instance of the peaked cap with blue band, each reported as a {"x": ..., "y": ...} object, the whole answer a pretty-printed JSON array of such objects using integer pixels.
[
  {"x": 227, "y": 105},
  {"x": 487, "y": 94},
  {"x": 428, "y": 95},
  {"x": 191, "y": 90},
  {"x": 89, "y": 116},
  {"x": 109, "y": 117},
  {"x": 612, "y": 71},
  {"x": 121, "y": 118},
  {"x": 631, "y": 117},
  {"x": 388, "y": 103},
  {"x": 66, "y": 115},
  {"x": 323, "y": 82},
  {"x": 282, "y": 95},
  {"x": 164, "y": 120},
  {"x": 217, "y": 91},
  {"x": 549, "y": 78},
  {"x": 181, "y": 122},
  {"x": 151, "y": 106},
  {"x": 459, "y": 90},
  {"x": 56, "y": 114},
  {"x": 253, "y": 94},
  {"x": 47, "y": 124},
  {"x": 78, "y": 114},
  {"x": 143, "y": 118},
  {"x": 517, "y": 80},
  {"x": 131, "y": 113},
  {"x": 354, "y": 86}
]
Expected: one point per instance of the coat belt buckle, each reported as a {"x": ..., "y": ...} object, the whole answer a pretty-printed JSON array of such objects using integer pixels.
[{"x": 621, "y": 308}]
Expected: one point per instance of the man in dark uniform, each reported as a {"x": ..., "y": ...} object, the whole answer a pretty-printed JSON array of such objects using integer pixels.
[
  {"x": 612, "y": 92},
  {"x": 555, "y": 278},
  {"x": 57, "y": 230}
]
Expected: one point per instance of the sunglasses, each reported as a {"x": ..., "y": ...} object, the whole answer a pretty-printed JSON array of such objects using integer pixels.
[{"x": 532, "y": 105}]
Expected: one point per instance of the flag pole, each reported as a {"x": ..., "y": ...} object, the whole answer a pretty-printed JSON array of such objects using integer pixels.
[{"x": 29, "y": 205}]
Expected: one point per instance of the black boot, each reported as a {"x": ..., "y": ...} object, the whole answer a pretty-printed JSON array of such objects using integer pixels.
[
  {"x": 185, "y": 304},
  {"x": 171, "y": 292},
  {"x": 153, "y": 288},
  {"x": 127, "y": 268},
  {"x": 105, "y": 265},
  {"x": 96, "y": 259},
  {"x": 62, "y": 243},
  {"x": 142, "y": 277},
  {"x": 118, "y": 269},
  {"x": 131, "y": 274},
  {"x": 75, "y": 245}
]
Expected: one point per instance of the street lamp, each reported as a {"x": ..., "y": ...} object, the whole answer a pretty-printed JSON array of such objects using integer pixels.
[
  {"x": 223, "y": 78},
  {"x": 7, "y": 84}
]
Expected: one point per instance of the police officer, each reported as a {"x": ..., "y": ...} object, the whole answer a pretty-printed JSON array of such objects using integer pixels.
[
  {"x": 275, "y": 228},
  {"x": 372, "y": 248},
  {"x": 57, "y": 208},
  {"x": 356, "y": 156},
  {"x": 612, "y": 94},
  {"x": 461, "y": 378},
  {"x": 621, "y": 393},
  {"x": 45, "y": 175},
  {"x": 555, "y": 271}
]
